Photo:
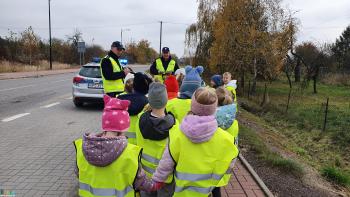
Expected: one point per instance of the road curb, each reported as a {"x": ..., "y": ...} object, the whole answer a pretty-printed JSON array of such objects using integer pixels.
[
  {"x": 35, "y": 75},
  {"x": 255, "y": 176}
]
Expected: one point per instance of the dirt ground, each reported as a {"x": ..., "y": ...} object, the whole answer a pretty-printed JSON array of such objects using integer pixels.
[{"x": 281, "y": 183}]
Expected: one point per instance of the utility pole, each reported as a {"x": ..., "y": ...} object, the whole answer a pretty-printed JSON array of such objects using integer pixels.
[
  {"x": 50, "y": 35},
  {"x": 121, "y": 36},
  {"x": 160, "y": 42}
]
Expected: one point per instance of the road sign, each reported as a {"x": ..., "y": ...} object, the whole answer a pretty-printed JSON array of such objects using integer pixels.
[{"x": 81, "y": 47}]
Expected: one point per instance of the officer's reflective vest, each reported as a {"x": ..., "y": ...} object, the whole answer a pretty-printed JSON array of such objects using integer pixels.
[
  {"x": 200, "y": 167},
  {"x": 234, "y": 129},
  {"x": 159, "y": 66},
  {"x": 116, "y": 179},
  {"x": 179, "y": 107},
  {"x": 152, "y": 152},
  {"x": 131, "y": 133},
  {"x": 112, "y": 85}
]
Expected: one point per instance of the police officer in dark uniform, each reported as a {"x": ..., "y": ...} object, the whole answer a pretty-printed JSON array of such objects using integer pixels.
[
  {"x": 113, "y": 73},
  {"x": 164, "y": 65}
]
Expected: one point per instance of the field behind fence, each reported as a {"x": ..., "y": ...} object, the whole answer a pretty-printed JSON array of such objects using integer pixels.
[{"x": 319, "y": 129}]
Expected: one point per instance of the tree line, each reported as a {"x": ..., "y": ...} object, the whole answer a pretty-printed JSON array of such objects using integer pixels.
[
  {"x": 256, "y": 38},
  {"x": 28, "y": 48}
]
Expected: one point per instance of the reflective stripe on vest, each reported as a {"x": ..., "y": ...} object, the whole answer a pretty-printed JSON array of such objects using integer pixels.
[
  {"x": 148, "y": 169},
  {"x": 195, "y": 175},
  {"x": 116, "y": 179},
  {"x": 131, "y": 134},
  {"x": 150, "y": 159},
  {"x": 112, "y": 85},
  {"x": 202, "y": 190},
  {"x": 179, "y": 108},
  {"x": 160, "y": 68},
  {"x": 152, "y": 153},
  {"x": 104, "y": 191}
]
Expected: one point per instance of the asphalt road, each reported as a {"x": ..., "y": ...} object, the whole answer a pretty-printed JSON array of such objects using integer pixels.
[{"x": 38, "y": 123}]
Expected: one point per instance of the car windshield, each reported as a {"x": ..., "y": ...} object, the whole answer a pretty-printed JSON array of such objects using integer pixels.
[{"x": 90, "y": 71}]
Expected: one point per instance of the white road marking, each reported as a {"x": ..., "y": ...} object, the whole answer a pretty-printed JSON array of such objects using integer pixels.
[
  {"x": 32, "y": 85},
  {"x": 14, "y": 117},
  {"x": 69, "y": 98},
  {"x": 50, "y": 105},
  {"x": 16, "y": 88}
]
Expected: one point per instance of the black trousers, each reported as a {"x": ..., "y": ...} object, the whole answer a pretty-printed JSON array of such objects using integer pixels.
[{"x": 216, "y": 192}]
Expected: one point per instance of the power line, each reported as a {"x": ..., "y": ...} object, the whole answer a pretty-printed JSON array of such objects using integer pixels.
[
  {"x": 94, "y": 27},
  {"x": 83, "y": 27}
]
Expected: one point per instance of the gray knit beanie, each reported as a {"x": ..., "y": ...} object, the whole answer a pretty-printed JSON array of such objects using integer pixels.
[{"x": 157, "y": 95}]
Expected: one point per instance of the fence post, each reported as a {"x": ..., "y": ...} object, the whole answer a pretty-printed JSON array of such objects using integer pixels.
[
  {"x": 325, "y": 117},
  {"x": 249, "y": 90}
]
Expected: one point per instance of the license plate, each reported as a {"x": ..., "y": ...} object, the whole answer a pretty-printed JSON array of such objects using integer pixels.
[{"x": 95, "y": 85}]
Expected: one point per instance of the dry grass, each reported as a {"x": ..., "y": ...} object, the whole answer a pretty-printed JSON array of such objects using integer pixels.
[
  {"x": 336, "y": 79},
  {"x": 6, "y": 66}
]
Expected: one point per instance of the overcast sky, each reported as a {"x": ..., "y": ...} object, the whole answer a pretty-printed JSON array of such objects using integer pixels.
[{"x": 101, "y": 21}]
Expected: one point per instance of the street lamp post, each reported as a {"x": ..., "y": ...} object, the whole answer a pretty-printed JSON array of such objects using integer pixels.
[
  {"x": 50, "y": 35},
  {"x": 160, "y": 39},
  {"x": 121, "y": 34}
]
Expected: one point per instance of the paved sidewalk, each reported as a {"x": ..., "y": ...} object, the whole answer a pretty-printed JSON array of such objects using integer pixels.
[
  {"x": 242, "y": 184},
  {"x": 16, "y": 75}
]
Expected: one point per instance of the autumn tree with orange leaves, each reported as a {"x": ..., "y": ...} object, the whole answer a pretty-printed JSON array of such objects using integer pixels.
[{"x": 242, "y": 37}]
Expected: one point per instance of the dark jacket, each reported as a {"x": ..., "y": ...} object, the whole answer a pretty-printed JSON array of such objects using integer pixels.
[
  {"x": 107, "y": 68},
  {"x": 154, "y": 128},
  {"x": 137, "y": 102},
  {"x": 154, "y": 70}
]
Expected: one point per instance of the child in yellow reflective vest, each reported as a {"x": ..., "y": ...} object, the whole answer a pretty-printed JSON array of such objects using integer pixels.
[
  {"x": 200, "y": 154},
  {"x": 138, "y": 100},
  {"x": 230, "y": 85},
  {"x": 106, "y": 164},
  {"x": 181, "y": 105},
  {"x": 226, "y": 112},
  {"x": 152, "y": 136}
]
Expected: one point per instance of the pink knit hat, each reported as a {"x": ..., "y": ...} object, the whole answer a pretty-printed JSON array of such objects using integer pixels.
[
  {"x": 202, "y": 109},
  {"x": 115, "y": 115}
]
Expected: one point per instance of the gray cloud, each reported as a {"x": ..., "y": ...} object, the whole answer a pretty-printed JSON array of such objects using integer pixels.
[
  {"x": 322, "y": 20},
  {"x": 101, "y": 21}
]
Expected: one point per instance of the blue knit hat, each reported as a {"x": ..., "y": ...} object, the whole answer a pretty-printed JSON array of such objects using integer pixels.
[
  {"x": 191, "y": 82},
  {"x": 217, "y": 80}
]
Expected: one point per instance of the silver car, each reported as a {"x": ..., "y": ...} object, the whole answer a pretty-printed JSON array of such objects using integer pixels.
[{"x": 87, "y": 85}]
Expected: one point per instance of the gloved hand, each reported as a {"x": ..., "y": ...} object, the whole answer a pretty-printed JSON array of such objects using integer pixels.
[
  {"x": 126, "y": 70},
  {"x": 157, "y": 186}
]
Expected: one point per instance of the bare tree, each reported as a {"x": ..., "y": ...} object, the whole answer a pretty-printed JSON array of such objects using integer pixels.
[{"x": 30, "y": 43}]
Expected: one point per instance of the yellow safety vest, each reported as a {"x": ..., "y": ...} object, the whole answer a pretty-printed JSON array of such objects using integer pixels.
[
  {"x": 200, "y": 167},
  {"x": 160, "y": 68},
  {"x": 116, "y": 179},
  {"x": 134, "y": 126},
  {"x": 152, "y": 152},
  {"x": 233, "y": 129},
  {"x": 179, "y": 108},
  {"x": 112, "y": 85},
  {"x": 233, "y": 91}
]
